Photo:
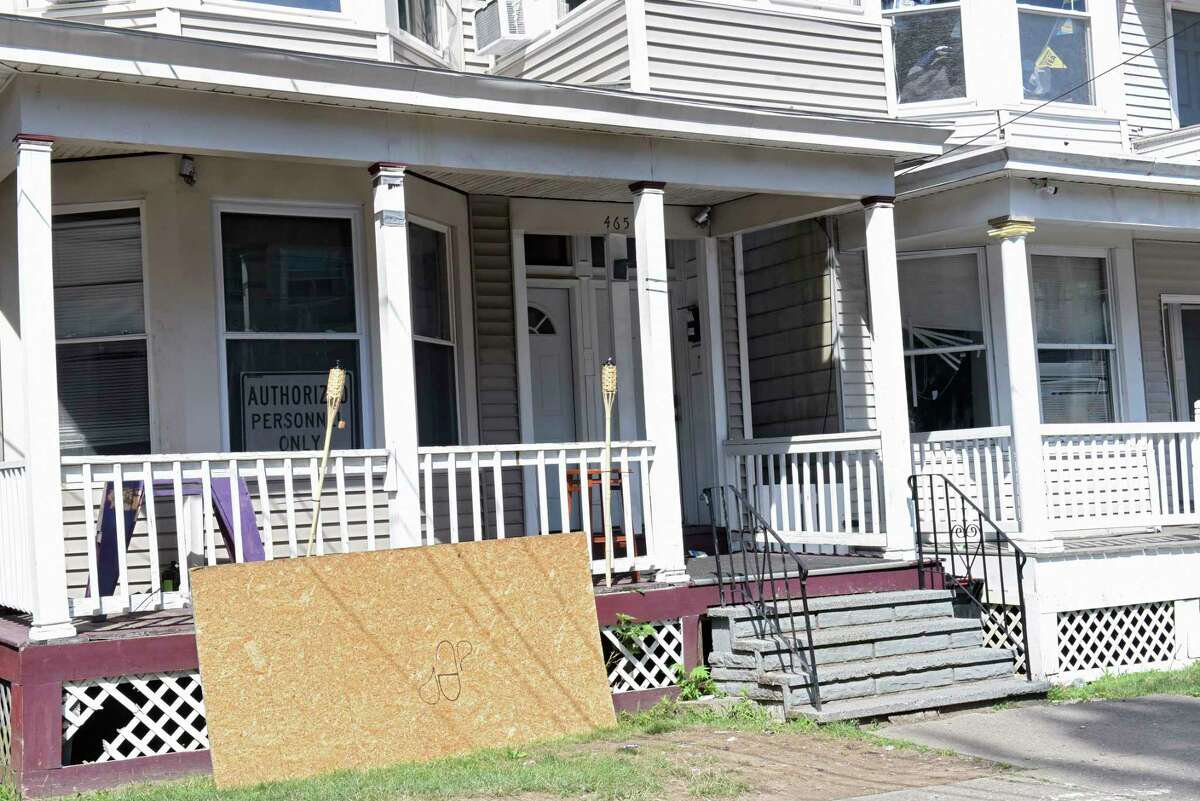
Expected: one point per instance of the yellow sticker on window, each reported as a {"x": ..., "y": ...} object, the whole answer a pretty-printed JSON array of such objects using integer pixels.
[{"x": 1049, "y": 60}]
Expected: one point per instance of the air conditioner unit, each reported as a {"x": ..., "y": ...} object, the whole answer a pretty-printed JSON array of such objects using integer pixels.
[{"x": 502, "y": 26}]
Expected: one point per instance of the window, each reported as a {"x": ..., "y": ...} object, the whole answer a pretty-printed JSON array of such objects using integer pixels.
[
  {"x": 290, "y": 315},
  {"x": 420, "y": 18},
  {"x": 1055, "y": 51},
  {"x": 1074, "y": 335},
  {"x": 433, "y": 335},
  {"x": 928, "y": 49},
  {"x": 314, "y": 5},
  {"x": 100, "y": 323},
  {"x": 941, "y": 311},
  {"x": 1186, "y": 43}
]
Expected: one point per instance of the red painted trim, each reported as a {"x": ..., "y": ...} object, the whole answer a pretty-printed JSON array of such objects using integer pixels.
[
  {"x": 10, "y": 664},
  {"x": 96, "y": 658},
  {"x": 82, "y": 778},
  {"x": 13, "y": 633},
  {"x": 642, "y": 699},
  {"x": 693, "y": 642},
  {"x": 38, "y": 726}
]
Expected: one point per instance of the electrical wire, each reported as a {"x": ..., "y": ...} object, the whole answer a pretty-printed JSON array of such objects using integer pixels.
[{"x": 1054, "y": 99}]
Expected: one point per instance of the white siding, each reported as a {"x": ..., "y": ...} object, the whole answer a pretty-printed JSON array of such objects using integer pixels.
[
  {"x": 1147, "y": 81},
  {"x": 307, "y": 37},
  {"x": 1161, "y": 268},
  {"x": 591, "y": 48},
  {"x": 1053, "y": 131},
  {"x": 854, "y": 321},
  {"x": 471, "y": 61},
  {"x": 765, "y": 58},
  {"x": 730, "y": 343}
]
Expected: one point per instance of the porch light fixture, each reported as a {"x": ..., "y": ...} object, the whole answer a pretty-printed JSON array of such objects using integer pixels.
[
  {"x": 187, "y": 170},
  {"x": 702, "y": 217},
  {"x": 1044, "y": 187}
]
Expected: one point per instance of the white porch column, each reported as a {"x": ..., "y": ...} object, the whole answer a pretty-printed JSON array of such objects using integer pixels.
[
  {"x": 43, "y": 459},
  {"x": 891, "y": 395},
  {"x": 396, "y": 361},
  {"x": 1021, "y": 348},
  {"x": 658, "y": 391}
]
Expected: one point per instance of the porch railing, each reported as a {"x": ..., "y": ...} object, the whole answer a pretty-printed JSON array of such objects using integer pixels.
[
  {"x": 494, "y": 491},
  {"x": 822, "y": 489},
  {"x": 17, "y": 589},
  {"x": 978, "y": 461}
]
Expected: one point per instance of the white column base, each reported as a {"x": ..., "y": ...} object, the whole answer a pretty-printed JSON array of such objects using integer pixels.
[
  {"x": 675, "y": 575},
  {"x": 51, "y": 631}
]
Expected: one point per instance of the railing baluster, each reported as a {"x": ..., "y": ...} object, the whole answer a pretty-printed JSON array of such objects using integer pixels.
[
  {"x": 585, "y": 499},
  {"x": 235, "y": 511},
  {"x": 92, "y": 529},
  {"x": 313, "y": 481},
  {"x": 122, "y": 589},
  {"x": 289, "y": 504},
  {"x": 564, "y": 502},
  {"x": 151, "y": 527},
  {"x": 452, "y": 493},
  {"x": 343, "y": 511},
  {"x": 430, "y": 534},
  {"x": 543, "y": 497},
  {"x": 264, "y": 494},
  {"x": 476, "y": 499},
  {"x": 626, "y": 506},
  {"x": 369, "y": 499},
  {"x": 182, "y": 544},
  {"x": 498, "y": 490}
]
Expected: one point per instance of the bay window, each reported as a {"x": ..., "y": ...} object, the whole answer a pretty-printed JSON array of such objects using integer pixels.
[
  {"x": 928, "y": 49},
  {"x": 290, "y": 314},
  {"x": 1055, "y": 50},
  {"x": 100, "y": 324},
  {"x": 434, "y": 346},
  {"x": 1074, "y": 339},
  {"x": 945, "y": 350}
]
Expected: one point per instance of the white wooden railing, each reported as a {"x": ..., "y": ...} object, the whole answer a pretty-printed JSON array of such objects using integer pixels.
[
  {"x": 16, "y": 545},
  {"x": 1121, "y": 474},
  {"x": 497, "y": 491},
  {"x": 176, "y": 520},
  {"x": 977, "y": 460},
  {"x": 821, "y": 490}
]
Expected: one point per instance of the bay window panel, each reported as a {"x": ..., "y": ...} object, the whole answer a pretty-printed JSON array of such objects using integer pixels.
[
  {"x": 1071, "y": 300},
  {"x": 430, "y": 282},
  {"x": 98, "y": 290},
  {"x": 928, "y": 50},
  {"x": 1075, "y": 386},
  {"x": 1055, "y": 58},
  {"x": 940, "y": 301},
  {"x": 288, "y": 273},
  {"x": 103, "y": 398},
  {"x": 437, "y": 394},
  {"x": 948, "y": 390}
]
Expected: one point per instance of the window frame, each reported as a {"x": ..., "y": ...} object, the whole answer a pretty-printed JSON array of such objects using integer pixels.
[
  {"x": 892, "y": 68},
  {"x": 146, "y": 336},
  {"x": 1187, "y": 6},
  {"x": 1095, "y": 88},
  {"x": 452, "y": 301},
  {"x": 1115, "y": 367},
  {"x": 989, "y": 352},
  {"x": 360, "y": 334}
]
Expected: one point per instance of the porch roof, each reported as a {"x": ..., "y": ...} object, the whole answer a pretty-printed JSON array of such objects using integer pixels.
[{"x": 83, "y": 51}]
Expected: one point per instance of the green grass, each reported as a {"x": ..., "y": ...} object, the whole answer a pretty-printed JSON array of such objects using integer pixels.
[
  {"x": 1131, "y": 685},
  {"x": 599, "y": 771}
]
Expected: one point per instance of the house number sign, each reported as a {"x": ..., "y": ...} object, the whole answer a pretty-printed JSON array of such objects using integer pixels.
[{"x": 614, "y": 222}]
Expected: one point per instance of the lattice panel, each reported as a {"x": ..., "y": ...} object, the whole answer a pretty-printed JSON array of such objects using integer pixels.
[
  {"x": 135, "y": 716},
  {"x": 1002, "y": 628},
  {"x": 5, "y": 731},
  {"x": 1116, "y": 636},
  {"x": 648, "y": 667}
]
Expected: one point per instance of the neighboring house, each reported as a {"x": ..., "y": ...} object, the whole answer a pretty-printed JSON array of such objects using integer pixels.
[{"x": 207, "y": 205}]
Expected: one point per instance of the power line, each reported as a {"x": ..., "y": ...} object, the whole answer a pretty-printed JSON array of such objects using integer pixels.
[{"x": 1054, "y": 99}]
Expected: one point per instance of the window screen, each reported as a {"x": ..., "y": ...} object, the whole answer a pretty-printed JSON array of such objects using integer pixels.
[{"x": 434, "y": 348}]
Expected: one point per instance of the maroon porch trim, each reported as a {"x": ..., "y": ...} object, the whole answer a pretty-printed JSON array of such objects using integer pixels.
[
  {"x": 74, "y": 661},
  {"x": 100, "y": 775},
  {"x": 642, "y": 699}
]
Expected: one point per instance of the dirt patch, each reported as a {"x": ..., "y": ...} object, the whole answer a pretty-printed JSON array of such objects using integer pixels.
[{"x": 760, "y": 766}]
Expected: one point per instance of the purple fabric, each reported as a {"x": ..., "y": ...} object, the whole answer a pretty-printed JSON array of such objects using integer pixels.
[
  {"x": 252, "y": 549},
  {"x": 106, "y": 554}
]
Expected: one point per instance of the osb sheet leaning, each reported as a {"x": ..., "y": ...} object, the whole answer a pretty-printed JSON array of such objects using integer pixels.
[{"x": 368, "y": 659}]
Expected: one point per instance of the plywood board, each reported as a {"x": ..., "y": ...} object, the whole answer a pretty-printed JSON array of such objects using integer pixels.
[{"x": 361, "y": 660}]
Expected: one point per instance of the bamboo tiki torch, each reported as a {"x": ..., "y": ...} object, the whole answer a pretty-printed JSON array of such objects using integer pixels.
[
  {"x": 608, "y": 386},
  {"x": 335, "y": 393}
]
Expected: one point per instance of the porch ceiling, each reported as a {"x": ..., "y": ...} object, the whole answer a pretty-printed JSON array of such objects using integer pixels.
[{"x": 566, "y": 189}]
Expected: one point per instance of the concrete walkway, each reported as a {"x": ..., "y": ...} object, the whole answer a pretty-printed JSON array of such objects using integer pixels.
[{"x": 1099, "y": 751}]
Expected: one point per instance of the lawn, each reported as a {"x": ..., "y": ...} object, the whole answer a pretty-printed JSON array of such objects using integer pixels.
[
  {"x": 1153, "y": 682},
  {"x": 668, "y": 752}
]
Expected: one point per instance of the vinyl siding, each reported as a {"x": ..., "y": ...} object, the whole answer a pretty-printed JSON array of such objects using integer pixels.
[
  {"x": 854, "y": 321},
  {"x": 496, "y": 342},
  {"x": 730, "y": 343},
  {"x": 1058, "y": 131},
  {"x": 1147, "y": 79},
  {"x": 1161, "y": 268},
  {"x": 306, "y": 37},
  {"x": 591, "y": 48},
  {"x": 471, "y": 61},
  {"x": 790, "y": 331},
  {"x": 763, "y": 58}
]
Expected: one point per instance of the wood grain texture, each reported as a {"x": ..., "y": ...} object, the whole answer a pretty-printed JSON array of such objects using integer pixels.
[{"x": 368, "y": 659}]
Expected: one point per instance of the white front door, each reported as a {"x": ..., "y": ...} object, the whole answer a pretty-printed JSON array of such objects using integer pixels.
[{"x": 552, "y": 373}]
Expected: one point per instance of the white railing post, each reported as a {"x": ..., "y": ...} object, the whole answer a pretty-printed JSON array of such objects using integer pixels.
[
  {"x": 396, "y": 358},
  {"x": 1021, "y": 347},
  {"x": 654, "y": 310},
  {"x": 891, "y": 405},
  {"x": 43, "y": 459}
]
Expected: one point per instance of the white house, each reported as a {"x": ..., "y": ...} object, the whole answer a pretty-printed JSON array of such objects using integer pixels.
[{"x": 853, "y": 243}]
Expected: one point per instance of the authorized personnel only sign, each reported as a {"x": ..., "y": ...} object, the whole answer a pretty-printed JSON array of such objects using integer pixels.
[{"x": 286, "y": 412}]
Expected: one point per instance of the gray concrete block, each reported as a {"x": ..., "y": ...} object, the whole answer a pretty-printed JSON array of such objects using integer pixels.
[
  {"x": 920, "y": 610},
  {"x": 845, "y": 653},
  {"x": 987, "y": 670},
  {"x": 840, "y": 690},
  {"x": 726, "y": 659},
  {"x": 914, "y": 681},
  {"x": 854, "y": 617},
  {"x": 966, "y": 639},
  {"x": 912, "y": 645}
]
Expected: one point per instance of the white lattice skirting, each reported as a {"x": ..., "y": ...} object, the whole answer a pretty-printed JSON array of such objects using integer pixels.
[
  {"x": 5, "y": 731},
  {"x": 648, "y": 667},
  {"x": 1002, "y": 628},
  {"x": 1116, "y": 636},
  {"x": 159, "y": 713}
]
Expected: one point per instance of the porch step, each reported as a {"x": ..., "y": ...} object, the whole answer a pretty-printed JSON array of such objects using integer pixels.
[{"x": 874, "y": 652}]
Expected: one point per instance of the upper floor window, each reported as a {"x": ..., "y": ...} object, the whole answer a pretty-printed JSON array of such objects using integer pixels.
[
  {"x": 1056, "y": 59},
  {"x": 927, "y": 40},
  {"x": 420, "y": 18}
]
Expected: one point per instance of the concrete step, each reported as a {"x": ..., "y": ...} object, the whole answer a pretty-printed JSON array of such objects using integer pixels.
[
  {"x": 873, "y": 677},
  {"x": 882, "y": 706},
  {"x": 835, "y": 603},
  {"x": 848, "y": 643},
  {"x": 794, "y": 621}
]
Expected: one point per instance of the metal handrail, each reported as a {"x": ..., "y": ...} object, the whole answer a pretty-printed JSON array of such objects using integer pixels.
[
  {"x": 967, "y": 539},
  {"x": 759, "y": 569}
]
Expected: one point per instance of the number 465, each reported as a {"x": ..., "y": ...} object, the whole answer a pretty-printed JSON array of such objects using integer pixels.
[{"x": 617, "y": 223}]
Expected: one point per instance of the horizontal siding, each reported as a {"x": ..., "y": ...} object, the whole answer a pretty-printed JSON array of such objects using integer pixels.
[
  {"x": 1147, "y": 78},
  {"x": 757, "y": 57},
  {"x": 730, "y": 342},
  {"x": 308, "y": 38},
  {"x": 471, "y": 61},
  {"x": 854, "y": 321},
  {"x": 1054, "y": 131},
  {"x": 591, "y": 49},
  {"x": 1161, "y": 268}
]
